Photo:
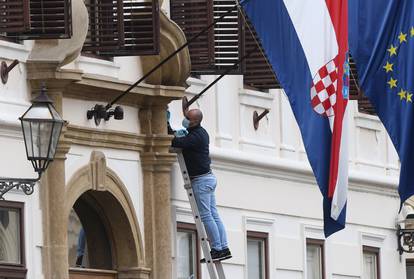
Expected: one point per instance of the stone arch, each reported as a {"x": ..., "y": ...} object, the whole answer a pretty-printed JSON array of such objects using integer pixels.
[{"x": 115, "y": 204}]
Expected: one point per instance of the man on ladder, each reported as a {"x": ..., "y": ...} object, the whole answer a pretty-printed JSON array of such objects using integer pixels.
[{"x": 195, "y": 148}]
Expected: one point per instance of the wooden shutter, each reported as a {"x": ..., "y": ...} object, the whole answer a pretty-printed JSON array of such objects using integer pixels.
[
  {"x": 36, "y": 19},
  {"x": 104, "y": 31},
  {"x": 192, "y": 16},
  {"x": 14, "y": 16},
  {"x": 141, "y": 28},
  {"x": 364, "y": 104},
  {"x": 258, "y": 73},
  {"x": 123, "y": 28},
  {"x": 228, "y": 38},
  {"x": 222, "y": 45}
]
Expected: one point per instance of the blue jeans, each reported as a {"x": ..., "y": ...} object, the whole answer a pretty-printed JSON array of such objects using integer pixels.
[{"x": 203, "y": 188}]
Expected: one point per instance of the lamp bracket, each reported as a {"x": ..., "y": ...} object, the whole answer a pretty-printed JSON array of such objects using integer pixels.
[
  {"x": 99, "y": 112},
  {"x": 4, "y": 70},
  {"x": 25, "y": 184},
  {"x": 405, "y": 240}
]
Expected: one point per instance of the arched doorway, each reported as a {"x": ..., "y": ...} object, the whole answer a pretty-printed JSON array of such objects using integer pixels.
[{"x": 102, "y": 226}]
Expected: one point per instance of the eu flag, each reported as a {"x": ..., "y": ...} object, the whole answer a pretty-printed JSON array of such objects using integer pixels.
[{"x": 381, "y": 39}]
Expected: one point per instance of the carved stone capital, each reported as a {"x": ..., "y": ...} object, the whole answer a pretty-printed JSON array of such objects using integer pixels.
[{"x": 157, "y": 162}]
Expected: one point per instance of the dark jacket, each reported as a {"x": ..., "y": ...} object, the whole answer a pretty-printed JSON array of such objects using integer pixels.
[{"x": 195, "y": 148}]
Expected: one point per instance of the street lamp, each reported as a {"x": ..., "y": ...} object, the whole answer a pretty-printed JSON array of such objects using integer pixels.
[
  {"x": 405, "y": 234},
  {"x": 41, "y": 125}
]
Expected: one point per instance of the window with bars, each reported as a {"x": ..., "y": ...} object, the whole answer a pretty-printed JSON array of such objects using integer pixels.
[
  {"x": 12, "y": 259},
  {"x": 188, "y": 252},
  {"x": 371, "y": 268},
  {"x": 35, "y": 19},
  {"x": 257, "y": 255},
  {"x": 315, "y": 268},
  {"x": 122, "y": 28}
]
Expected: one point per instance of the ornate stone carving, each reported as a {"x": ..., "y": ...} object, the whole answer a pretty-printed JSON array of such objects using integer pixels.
[
  {"x": 177, "y": 70},
  {"x": 97, "y": 171},
  {"x": 66, "y": 50}
]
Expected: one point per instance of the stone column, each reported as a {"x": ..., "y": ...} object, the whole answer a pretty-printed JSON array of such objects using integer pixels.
[
  {"x": 52, "y": 188},
  {"x": 157, "y": 162},
  {"x": 55, "y": 220}
]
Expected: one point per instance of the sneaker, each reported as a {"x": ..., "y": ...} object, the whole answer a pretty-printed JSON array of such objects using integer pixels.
[
  {"x": 225, "y": 254},
  {"x": 79, "y": 261},
  {"x": 215, "y": 256}
]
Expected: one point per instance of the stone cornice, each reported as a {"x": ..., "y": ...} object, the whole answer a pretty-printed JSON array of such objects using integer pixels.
[
  {"x": 284, "y": 169},
  {"x": 104, "y": 89},
  {"x": 105, "y": 138},
  {"x": 153, "y": 146}
]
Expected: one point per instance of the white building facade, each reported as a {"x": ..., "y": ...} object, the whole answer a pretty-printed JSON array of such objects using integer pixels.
[
  {"x": 266, "y": 187},
  {"x": 118, "y": 182}
]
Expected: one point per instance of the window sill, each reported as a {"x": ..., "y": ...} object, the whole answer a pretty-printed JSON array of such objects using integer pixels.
[
  {"x": 13, "y": 271},
  {"x": 256, "y": 98}
]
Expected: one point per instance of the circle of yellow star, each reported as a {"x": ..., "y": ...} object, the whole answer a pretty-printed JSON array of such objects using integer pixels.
[
  {"x": 402, "y": 37},
  {"x": 392, "y": 83},
  {"x": 402, "y": 94},
  {"x": 392, "y": 50},
  {"x": 409, "y": 97},
  {"x": 412, "y": 31},
  {"x": 388, "y": 67}
]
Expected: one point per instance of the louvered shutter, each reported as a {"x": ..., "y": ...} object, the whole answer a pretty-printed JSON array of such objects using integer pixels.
[
  {"x": 222, "y": 45},
  {"x": 122, "y": 28},
  {"x": 105, "y": 30},
  {"x": 14, "y": 16},
  {"x": 36, "y": 19},
  {"x": 258, "y": 73},
  {"x": 228, "y": 38},
  {"x": 364, "y": 104},
  {"x": 141, "y": 28},
  {"x": 353, "y": 80},
  {"x": 193, "y": 16}
]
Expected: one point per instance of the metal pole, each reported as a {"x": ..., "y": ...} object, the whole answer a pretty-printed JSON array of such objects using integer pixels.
[
  {"x": 196, "y": 97},
  {"x": 229, "y": 11}
]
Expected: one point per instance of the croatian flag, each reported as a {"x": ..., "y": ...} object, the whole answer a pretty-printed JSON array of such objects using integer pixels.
[{"x": 306, "y": 42}]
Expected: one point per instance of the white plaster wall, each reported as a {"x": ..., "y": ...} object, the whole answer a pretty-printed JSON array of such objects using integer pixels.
[{"x": 265, "y": 184}]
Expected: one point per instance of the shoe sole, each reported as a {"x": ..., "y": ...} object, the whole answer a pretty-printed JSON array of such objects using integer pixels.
[
  {"x": 225, "y": 258},
  {"x": 218, "y": 259}
]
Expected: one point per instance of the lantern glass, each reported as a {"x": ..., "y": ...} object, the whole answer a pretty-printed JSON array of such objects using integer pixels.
[{"x": 41, "y": 125}]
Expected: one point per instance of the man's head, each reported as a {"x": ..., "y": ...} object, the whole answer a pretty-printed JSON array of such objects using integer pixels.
[{"x": 195, "y": 116}]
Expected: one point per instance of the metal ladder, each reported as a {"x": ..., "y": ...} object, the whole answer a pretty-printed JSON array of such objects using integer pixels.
[{"x": 215, "y": 269}]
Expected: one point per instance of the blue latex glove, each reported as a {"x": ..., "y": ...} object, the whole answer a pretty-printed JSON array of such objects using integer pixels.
[
  {"x": 181, "y": 133},
  {"x": 168, "y": 115}
]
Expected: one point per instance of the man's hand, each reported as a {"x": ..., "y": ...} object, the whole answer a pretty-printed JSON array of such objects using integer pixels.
[{"x": 181, "y": 133}]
